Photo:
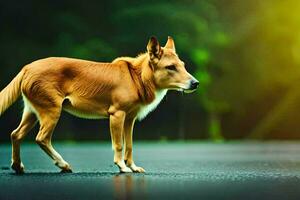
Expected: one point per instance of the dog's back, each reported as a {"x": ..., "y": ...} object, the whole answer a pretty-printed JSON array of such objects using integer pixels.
[{"x": 122, "y": 90}]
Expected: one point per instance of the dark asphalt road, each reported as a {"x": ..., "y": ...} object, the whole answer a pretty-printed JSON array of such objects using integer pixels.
[{"x": 174, "y": 171}]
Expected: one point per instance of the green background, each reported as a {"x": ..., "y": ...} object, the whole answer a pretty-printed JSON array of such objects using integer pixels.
[{"x": 245, "y": 53}]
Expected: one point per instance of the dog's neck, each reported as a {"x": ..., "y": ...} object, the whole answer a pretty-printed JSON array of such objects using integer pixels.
[{"x": 142, "y": 74}]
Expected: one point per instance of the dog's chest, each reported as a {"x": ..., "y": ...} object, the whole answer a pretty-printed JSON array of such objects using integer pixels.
[{"x": 145, "y": 110}]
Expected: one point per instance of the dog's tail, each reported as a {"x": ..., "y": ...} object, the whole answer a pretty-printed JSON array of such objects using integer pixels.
[{"x": 11, "y": 93}]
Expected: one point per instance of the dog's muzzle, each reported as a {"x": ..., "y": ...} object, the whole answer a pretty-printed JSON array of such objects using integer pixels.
[{"x": 193, "y": 85}]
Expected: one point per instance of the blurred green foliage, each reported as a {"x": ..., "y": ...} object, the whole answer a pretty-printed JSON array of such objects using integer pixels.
[{"x": 244, "y": 53}]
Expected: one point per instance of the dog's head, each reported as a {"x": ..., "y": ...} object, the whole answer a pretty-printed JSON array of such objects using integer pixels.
[{"x": 168, "y": 70}]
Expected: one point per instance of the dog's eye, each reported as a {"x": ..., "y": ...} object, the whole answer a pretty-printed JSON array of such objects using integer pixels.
[{"x": 171, "y": 67}]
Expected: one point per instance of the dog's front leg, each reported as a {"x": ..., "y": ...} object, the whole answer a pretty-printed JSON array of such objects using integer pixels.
[
  {"x": 128, "y": 129},
  {"x": 116, "y": 129}
]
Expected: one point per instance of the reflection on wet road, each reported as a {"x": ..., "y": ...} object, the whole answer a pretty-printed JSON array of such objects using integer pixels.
[{"x": 174, "y": 171}]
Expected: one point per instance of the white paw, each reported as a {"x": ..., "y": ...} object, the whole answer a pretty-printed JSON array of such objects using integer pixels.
[
  {"x": 64, "y": 166},
  {"x": 136, "y": 169},
  {"x": 122, "y": 167},
  {"x": 125, "y": 170}
]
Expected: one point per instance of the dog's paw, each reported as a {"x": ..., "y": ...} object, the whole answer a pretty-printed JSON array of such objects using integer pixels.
[
  {"x": 67, "y": 170},
  {"x": 125, "y": 170},
  {"x": 64, "y": 166},
  {"x": 122, "y": 167},
  {"x": 18, "y": 168},
  {"x": 136, "y": 169}
]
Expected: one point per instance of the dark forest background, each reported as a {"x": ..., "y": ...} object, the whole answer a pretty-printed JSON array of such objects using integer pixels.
[{"x": 245, "y": 53}]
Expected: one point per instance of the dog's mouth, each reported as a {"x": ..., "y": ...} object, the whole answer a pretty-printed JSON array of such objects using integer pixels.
[
  {"x": 183, "y": 88},
  {"x": 189, "y": 90}
]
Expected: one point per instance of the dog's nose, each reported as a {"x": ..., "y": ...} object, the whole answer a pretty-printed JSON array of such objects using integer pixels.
[{"x": 194, "y": 84}]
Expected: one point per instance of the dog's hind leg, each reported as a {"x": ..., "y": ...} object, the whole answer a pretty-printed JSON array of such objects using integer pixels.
[
  {"x": 128, "y": 129},
  {"x": 27, "y": 123},
  {"x": 116, "y": 130},
  {"x": 48, "y": 119}
]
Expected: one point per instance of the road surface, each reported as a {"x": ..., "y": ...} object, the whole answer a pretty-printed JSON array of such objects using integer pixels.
[{"x": 193, "y": 170}]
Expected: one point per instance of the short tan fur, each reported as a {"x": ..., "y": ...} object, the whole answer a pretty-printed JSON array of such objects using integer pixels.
[{"x": 123, "y": 90}]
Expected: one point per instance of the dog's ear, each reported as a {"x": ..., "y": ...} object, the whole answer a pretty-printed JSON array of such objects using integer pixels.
[
  {"x": 170, "y": 43},
  {"x": 154, "y": 49}
]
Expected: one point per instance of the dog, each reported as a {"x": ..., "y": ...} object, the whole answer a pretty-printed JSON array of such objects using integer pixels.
[{"x": 124, "y": 90}]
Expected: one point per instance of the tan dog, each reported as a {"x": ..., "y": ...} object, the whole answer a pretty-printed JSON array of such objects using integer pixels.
[{"x": 126, "y": 89}]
